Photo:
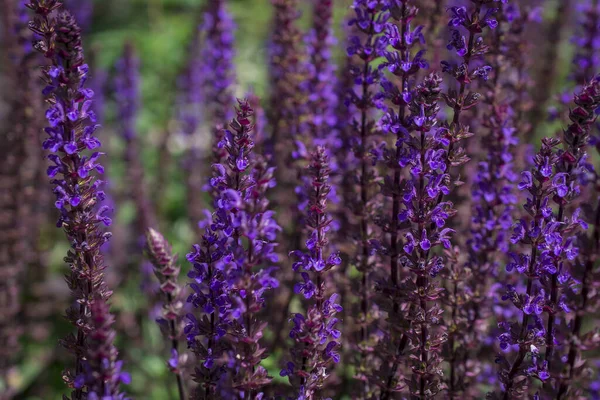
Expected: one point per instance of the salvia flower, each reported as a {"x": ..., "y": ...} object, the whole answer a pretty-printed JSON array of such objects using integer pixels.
[
  {"x": 398, "y": 59},
  {"x": 190, "y": 116},
  {"x": 425, "y": 216},
  {"x": 211, "y": 295},
  {"x": 315, "y": 335},
  {"x": 493, "y": 204},
  {"x": 71, "y": 135},
  {"x": 18, "y": 222},
  {"x": 365, "y": 46},
  {"x": 577, "y": 373},
  {"x": 167, "y": 272},
  {"x": 243, "y": 214},
  {"x": 566, "y": 183},
  {"x": 233, "y": 269},
  {"x": 547, "y": 266}
]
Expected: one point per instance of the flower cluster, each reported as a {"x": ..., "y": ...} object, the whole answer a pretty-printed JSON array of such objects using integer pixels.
[
  {"x": 236, "y": 262},
  {"x": 244, "y": 214},
  {"x": 425, "y": 215},
  {"x": 400, "y": 61},
  {"x": 316, "y": 338},
  {"x": 365, "y": 46},
  {"x": 71, "y": 134},
  {"x": 403, "y": 61},
  {"x": 190, "y": 116},
  {"x": 493, "y": 205},
  {"x": 551, "y": 237},
  {"x": 583, "y": 302},
  {"x": 211, "y": 294},
  {"x": 387, "y": 294}
]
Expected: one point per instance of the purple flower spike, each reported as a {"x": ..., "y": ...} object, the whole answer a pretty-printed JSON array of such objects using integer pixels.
[
  {"x": 234, "y": 266},
  {"x": 365, "y": 45},
  {"x": 71, "y": 133},
  {"x": 316, "y": 338},
  {"x": 549, "y": 235}
]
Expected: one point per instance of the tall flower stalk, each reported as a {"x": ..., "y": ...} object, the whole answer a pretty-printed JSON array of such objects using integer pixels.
[
  {"x": 71, "y": 134},
  {"x": 315, "y": 336},
  {"x": 587, "y": 60},
  {"x": 402, "y": 63},
  {"x": 236, "y": 264},
  {"x": 546, "y": 75},
  {"x": 550, "y": 236},
  {"x": 365, "y": 46},
  {"x": 167, "y": 272},
  {"x": 243, "y": 211},
  {"x": 571, "y": 164},
  {"x": 492, "y": 211},
  {"x": 285, "y": 114},
  {"x": 191, "y": 116}
]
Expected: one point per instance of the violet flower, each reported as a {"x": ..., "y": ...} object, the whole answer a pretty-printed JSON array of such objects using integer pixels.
[
  {"x": 211, "y": 294},
  {"x": 578, "y": 374},
  {"x": 403, "y": 61},
  {"x": 546, "y": 76},
  {"x": 493, "y": 205},
  {"x": 286, "y": 111},
  {"x": 425, "y": 216},
  {"x": 365, "y": 46},
  {"x": 315, "y": 336},
  {"x": 240, "y": 242},
  {"x": 243, "y": 213},
  {"x": 167, "y": 272},
  {"x": 553, "y": 249},
  {"x": 71, "y": 133}
]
